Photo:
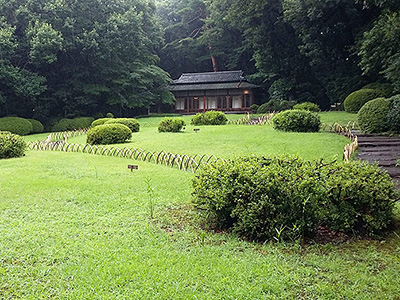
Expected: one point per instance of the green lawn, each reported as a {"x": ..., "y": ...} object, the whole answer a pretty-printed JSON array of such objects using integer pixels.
[
  {"x": 78, "y": 226},
  {"x": 230, "y": 140}
]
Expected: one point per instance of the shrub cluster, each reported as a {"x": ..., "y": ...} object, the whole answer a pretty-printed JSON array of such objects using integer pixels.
[
  {"x": 297, "y": 120},
  {"x": 211, "y": 117},
  {"x": 289, "y": 198},
  {"x": 133, "y": 124},
  {"x": 100, "y": 121},
  {"x": 385, "y": 88},
  {"x": 275, "y": 105},
  {"x": 394, "y": 114},
  {"x": 72, "y": 124},
  {"x": 357, "y": 99},
  {"x": 171, "y": 125},
  {"x": 16, "y": 125},
  {"x": 108, "y": 134},
  {"x": 307, "y": 106},
  {"x": 373, "y": 116},
  {"x": 37, "y": 126},
  {"x": 11, "y": 145}
]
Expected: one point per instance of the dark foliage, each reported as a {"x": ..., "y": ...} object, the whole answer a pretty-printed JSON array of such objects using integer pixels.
[{"x": 36, "y": 125}]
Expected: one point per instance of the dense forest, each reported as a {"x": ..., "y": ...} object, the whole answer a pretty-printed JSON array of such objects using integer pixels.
[{"x": 69, "y": 58}]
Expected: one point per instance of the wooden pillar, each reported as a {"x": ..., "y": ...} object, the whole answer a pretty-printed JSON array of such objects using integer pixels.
[
  {"x": 187, "y": 104},
  {"x": 204, "y": 103},
  {"x": 227, "y": 102}
]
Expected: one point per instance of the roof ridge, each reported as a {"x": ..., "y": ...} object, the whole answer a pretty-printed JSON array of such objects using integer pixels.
[{"x": 202, "y": 73}]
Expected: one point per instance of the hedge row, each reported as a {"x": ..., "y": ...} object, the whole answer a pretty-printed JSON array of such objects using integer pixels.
[{"x": 289, "y": 198}]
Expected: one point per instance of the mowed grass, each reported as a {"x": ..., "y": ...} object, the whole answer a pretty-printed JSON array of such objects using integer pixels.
[
  {"x": 231, "y": 140},
  {"x": 78, "y": 226}
]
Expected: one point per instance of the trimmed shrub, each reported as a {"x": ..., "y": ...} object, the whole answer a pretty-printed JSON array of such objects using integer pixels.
[
  {"x": 83, "y": 122},
  {"x": 108, "y": 134},
  {"x": 275, "y": 105},
  {"x": 394, "y": 114},
  {"x": 110, "y": 115},
  {"x": 385, "y": 88},
  {"x": 16, "y": 125},
  {"x": 357, "y": 99},
  {"x": 211, "y": 117},
  {"x": 307, "y": 106},
  {"x": 289, "y": 198},
  {"x": 37, "y": 126},
  {"x": 133, "y": 124},
  {"x": 11, "y": 145},
  {"x": 373, "y": 116},
  {"x": 72, "y": 124},
  {"x": 171, "y": 125},
  {"x": 99, "y": 122},
  {"x": 297, "y": 120}
]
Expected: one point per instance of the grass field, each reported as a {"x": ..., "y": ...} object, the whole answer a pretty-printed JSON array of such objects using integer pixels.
[{"x": 79, "y": 226}]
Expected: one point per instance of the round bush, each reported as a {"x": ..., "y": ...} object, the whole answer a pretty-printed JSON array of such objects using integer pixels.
[
  {"x": 357, "y": 99},
  {"x": 133, "y": 124},
  {"x": 297, "y": 120},
  {"x": 307, "y": 106},
  {"x": 36, "y": 125},
  {"x": 108, "y": 134},
  {"x": 16, "y": 125},
  {"x": 394, "y": 114},
  {"x": 373, "y": 116},
  {"x": 289, "y": 198},
  {"x": 83, "y": 122},
  {"x": 275, "y": 105},
  {"x": 99, "y": 122},
  {"x": 211, "y": 117},
  {"x": 171, "y": 125},
  {"x": 110, "y": 115},
  {"x": 11, "y": 145},
  {"x": 385, "y": 88}
]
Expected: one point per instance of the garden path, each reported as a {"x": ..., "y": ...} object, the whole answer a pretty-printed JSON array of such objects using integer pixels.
[{"x": 384, "y": 150}]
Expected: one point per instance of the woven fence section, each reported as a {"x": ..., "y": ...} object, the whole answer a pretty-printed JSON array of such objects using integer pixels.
[
  {"x": 182, "y": 162},
  {"x": 351, "y": 148}
]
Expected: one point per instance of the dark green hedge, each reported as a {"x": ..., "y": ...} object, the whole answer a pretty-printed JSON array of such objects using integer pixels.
[
  {"x": 11, "y": 145},
  {"x": 36, "y": 125},
  {"x": 307, "y": 106},
  {"x": 357, "y": 99},
  {"x": 108, "y": 134},
  {"x": 72, "y": 124},
  {"x": 16, "y": 125},
  {"x": 100, "y": 121},
  {"x": 373, "y": 116},
  {"x": 297, "y": 120},
  {"x": 289, "y": 198}
]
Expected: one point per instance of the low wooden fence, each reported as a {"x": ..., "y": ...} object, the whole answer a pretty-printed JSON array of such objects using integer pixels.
[
  {"x": 351, "y": 148},
  {"x": 182, "y": 162}
]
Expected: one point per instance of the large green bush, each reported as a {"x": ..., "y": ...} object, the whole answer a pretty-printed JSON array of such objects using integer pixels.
[
  {"x": 16, "y": 125},
  {"x": 357, "y": 99},
  {"x": 385, "y": 88},
  {"x": 11, "y": 145},
  {"x": 133, "y": 124},
  {"x": 100, "y": 121},
  {"x": 37, "y": 126},
  {"x": 307, "y": 106},
  {"x": 108, "y": 134},
  {"x": 297, "y": 120},
  {"x": 373, "y": 116},
  {"x": 289, "y": 198},
  {"x": 394, "y": 114},
  {"x": 171, "y": 125},
  {"x": 275, "y": 105},
  {"x": 72, "y": 124},
  {"x": 211, "y": 117}
]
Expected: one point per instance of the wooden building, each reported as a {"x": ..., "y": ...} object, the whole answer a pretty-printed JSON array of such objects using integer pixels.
[{"x": 227, "y": 91}]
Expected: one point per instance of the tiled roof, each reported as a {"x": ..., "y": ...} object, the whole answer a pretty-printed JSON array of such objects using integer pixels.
[
  {"x": 211, "y": 86},
  {"x": 210, "y": 77}
]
